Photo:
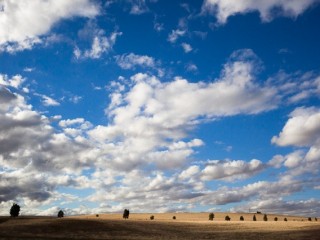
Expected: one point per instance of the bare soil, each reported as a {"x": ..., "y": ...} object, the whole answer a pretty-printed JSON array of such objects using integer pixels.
[{"x": 139, "y": 226}]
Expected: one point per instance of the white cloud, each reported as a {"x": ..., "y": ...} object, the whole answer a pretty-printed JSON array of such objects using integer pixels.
[
  {"x": 34, "y": 159},
  {"x": 138, "y": 7},
  {"x": 131, "y": 60},
  {"x": 148, "y": 121},
  {"x": 100, "y": 45},
  {"x": 268, "y": 10},
  {"x": 191, "y": 67},
  {"x": 230, "y": 170},
  {"x": 175, "y": 34},
  {"x": 302, "y": 129},
  {"x": 23, "y": 23},
  {"x": 14, "y": 82},
  {"x": 186, "y": 47},
  {"x": 48, "y": 101}
]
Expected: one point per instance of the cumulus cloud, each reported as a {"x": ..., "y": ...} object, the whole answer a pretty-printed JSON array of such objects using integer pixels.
[
  {"x": 14, "y": 82},
  {"x": 35, "y": 159},
  {"x": 268, "y": 10},
  {"x": 131, "y": 60},
  {"x": 149, "y": 120},
  {"x": 22, "y": 24},
  {"x": 230, "y": 170},
  {"x": 257, "y": 190},
  {"x": 302, "y": 129}
]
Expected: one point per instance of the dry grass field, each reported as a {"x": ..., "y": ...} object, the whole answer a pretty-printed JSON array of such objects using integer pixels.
[{"x": 139, "y": 226}]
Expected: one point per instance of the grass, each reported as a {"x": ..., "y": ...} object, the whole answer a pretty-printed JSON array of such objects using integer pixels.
[{"x": 139, "y": 226}]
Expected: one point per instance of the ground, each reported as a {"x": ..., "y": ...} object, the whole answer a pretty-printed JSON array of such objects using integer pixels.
[{"x": 139, "y": 226}]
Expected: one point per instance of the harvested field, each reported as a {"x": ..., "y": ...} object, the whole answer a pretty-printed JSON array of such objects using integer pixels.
[{"x": 139, "y": 226}]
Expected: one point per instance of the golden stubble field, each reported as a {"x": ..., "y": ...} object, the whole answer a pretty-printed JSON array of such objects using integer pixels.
[{"x": 139, "y": 226}]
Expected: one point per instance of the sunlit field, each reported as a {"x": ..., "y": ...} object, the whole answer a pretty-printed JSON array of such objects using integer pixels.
[{"x": 139, "y": 226}]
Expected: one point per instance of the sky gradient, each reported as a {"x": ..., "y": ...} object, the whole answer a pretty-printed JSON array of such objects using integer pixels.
[{"x": 160, "y": 106}]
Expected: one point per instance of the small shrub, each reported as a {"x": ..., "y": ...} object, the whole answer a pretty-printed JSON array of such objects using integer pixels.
[
  {"x": 241, "y": 218},
  {"x": 309, "y": 219},
  {"x": 316, "y": 219},
  {"x": 285, "y": 219},
  {"x": 227, "y": 218},
  {"x": 211, "y": 216},
  {"x": 15, "y": 210},
  {"x": 97, "y": 215},
  {"x": 60, "y": 214},
  {"x": 276, "y": 219},
  {"x": 174, "y": 217},
  {"x": 254, "y": 218},
  {"x": 151, "y": 217},
  {"x": 265, "y": 218},
  {"x": 258, "y": 212}
]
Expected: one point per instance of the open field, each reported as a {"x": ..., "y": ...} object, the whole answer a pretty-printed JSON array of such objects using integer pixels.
[{"x": 139, "y": 226}]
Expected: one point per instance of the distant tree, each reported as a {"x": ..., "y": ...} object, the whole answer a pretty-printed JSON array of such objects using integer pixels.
[
  {"x": 316, "y": 219},
  {"x": 151, "y": 217},
  {"x": 174, "y": 217},
  {"x": 15, "y": 210},
  {"x": 227, "y": 218},
  {"x": 265, "y": 217},
  {"x": 309, "y": 219},
  {"x": 211, "y": 216},
  {"x": 258, "y": 212},
  {"x": 285, "y": 219},
  {"x": 97, "y": 215},
  {"x": 60, "y": 214},
  {"x": 126, "y": 214},
  {"x": 254, "y": 218},
  {"x": 276, "y": 219},
  {"x": 241, "y": 218}
]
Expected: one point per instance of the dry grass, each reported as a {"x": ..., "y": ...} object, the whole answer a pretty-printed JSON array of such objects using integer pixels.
[{"x": 139, "y": 226}]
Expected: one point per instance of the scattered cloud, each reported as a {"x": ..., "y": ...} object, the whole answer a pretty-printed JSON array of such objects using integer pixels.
[
  {"x": 39, "y": 18},
  {"x": 230, "y": 170},
  {"x": 191, "y": 67},
  {"x": 131, "y": 60},
  {"x": 268, "y": 10},
  {"x": 100, "y": 45},
  {"x": 48, "y": 101},
  {"x": 186, "y": 47},
  {"x": 15, "y": 82},
  {"x": 175, "y": 34}
]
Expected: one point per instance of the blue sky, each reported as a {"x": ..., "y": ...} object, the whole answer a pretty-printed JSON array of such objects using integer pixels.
[{"x": 159, "y": 106}]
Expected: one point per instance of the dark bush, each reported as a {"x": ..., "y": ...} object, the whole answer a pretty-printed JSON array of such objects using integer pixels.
[
  {"x": 126, "y": 213},
  {"x": 285, "y": 219},
  {"x": 227, "y": 218},
  {"x": 276, "y": 219},
  {"x": 254, "y": 218},
  {"x": 315, "y": 219},
  {"x": 258, "y": 212},
  {"x": 241, "y": 218},
  {"x": 211, "y": 216},
  {"x": 265, "y": 218},
  {"x": 309, "y": 219},
  {"x": 151, "y": 217},
  {"x": 97, "y": 215},
  {"x": 15, "y": 210},
  {"x": 60, "y": 214},
  {"x": 174, "y": 217}
]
